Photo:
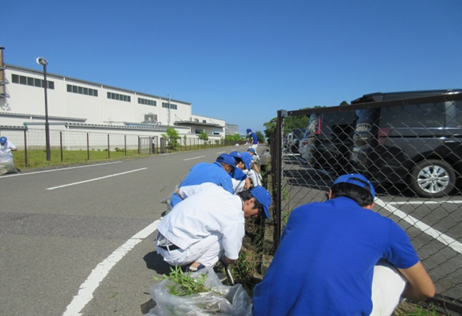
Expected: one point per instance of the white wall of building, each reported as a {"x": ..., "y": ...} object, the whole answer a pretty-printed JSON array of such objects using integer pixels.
[{"x": 76, "y": 101}]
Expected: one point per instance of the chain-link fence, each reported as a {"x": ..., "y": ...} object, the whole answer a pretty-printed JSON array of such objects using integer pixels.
[
  {"x": 73, "y": 146},
  {"x": 410, "y": 149}
]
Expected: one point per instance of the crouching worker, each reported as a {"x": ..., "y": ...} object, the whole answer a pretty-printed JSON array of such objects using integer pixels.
[
  {"x": 340, "y": 258},
  {"x": 209, "y": 225}
]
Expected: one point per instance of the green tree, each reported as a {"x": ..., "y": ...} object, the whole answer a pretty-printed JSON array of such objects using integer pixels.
[
  {"x": 270, "y": 127},
  {"x": 172, "y": 137},
  {"x": 233, "y": 137},
  {"x": 203, "y": 136},
  {"x": 290, "y": 123},
  {"x": 260, "y": 137}
]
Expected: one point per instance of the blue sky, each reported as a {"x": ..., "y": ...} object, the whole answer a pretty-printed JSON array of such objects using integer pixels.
[{"x": 242, "y": 60}]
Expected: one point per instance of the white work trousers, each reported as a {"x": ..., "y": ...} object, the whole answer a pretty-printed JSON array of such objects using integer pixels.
[
  {"x": 387, "y": 286},
  {"x": 207, "y": 252}
]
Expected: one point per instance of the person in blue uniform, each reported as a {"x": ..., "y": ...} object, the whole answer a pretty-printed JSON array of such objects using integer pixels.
[
  {"x": 238, "y": 177},
  {"x": 253, "y": 139},
  {"x": 338, "y": 257},
  {"x": 217, "y": 173}
]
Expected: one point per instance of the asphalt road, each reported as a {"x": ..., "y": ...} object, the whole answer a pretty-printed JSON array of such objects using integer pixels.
[{"x": 79, "y": 240}]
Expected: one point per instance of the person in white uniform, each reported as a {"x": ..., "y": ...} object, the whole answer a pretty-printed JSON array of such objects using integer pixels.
[
  {"x": 208, "y": 226},
  {"x": 6, "y": 156},
  {"x": 248, "y": 169}
]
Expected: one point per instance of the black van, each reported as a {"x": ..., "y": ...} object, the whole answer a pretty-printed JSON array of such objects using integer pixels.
[
  {"x": 328, "y": 140},
  {"x": 417, "y": 141}
]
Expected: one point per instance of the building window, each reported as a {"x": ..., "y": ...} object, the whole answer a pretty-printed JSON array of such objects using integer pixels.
[
  {"x": 82, "y": 90},
  {"x": 150, "y": 118},
  {"x": 204, "y": 121},
  {"x": 172, "y": 106},
  {"x": 121, "y": 97},
  {"x": 147, "y": 102},
  {"x": 34, "y": 82},
  {"x": 198, "y": 131}
]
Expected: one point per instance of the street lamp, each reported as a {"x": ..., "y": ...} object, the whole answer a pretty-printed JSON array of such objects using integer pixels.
[{"x": 42, "y": 61}]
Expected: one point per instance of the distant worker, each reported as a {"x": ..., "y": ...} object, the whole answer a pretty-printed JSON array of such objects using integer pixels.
[
  {"x": 253, "y": 139},
  {"x": 209, "y": 226},
  {"x": 338, "y": 257},
  {"x": 6, "y": 156},
  {"x": 217, "y": 173}
]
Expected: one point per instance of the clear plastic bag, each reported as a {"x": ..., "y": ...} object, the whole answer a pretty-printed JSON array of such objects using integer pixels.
[
  {"x": 222, "y": 300},
  {"x": 7, "y": 163}
]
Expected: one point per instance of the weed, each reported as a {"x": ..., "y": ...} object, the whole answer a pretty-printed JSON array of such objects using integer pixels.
[{"x": 183, "y": 283}]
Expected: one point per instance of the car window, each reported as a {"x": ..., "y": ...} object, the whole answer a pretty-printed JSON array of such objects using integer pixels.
[
  {"x": 421, "y": 115},
  {"x": 312, "y": 126},
  {"x": 454, "y": 113},
  {"x": 337, "y": 126}
]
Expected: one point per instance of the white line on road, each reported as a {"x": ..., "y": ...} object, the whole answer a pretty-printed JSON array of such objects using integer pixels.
[
  {"x": 446, "y": 240},
  {"x": 95, "y": 179},
  {"x": 425, "y": 202},
  {"x": 193, "y": 158},
  {"x": 53, "y": 170},
  {"x": 98, "y": 274}
]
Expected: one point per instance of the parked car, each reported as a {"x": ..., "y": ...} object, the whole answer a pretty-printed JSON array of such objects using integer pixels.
[
  {"x": 419, "y": 143},
  {"x": 328, "y": 140},
  {"x": 293, "y": 139}
]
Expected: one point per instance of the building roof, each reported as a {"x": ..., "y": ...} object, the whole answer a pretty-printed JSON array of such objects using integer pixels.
[{"x": 192, "y": 123}]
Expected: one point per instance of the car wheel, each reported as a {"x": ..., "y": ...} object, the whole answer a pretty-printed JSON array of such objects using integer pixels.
[{"x": 433, "y": 178}]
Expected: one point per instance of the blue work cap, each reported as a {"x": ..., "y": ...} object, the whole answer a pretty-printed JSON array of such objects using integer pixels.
[
  {"x": 357, "y": 179},
  {"x": 248, "y": 130},
  {"x": 252, "y": 150},
  {"x": 247, "y": 159},
  {"x": 236, "y": 154},
  {"x": 227, "y": 159},
  {"x": 263, "y": 197}
]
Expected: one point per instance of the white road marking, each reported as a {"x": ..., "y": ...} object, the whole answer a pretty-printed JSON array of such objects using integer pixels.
[
  {"x": 425, "y": 202},
  {"x": 95, "y": 179},
  {"x": 193, "y": 158},
  {"x": 98, "y": 274},
  {"x": 444, "y": 239},
  {"x": 53, "y": 170}
]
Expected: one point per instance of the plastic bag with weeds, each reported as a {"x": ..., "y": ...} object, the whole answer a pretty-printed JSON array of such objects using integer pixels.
[
  {"x": 219, "y": 299},
  {"x": 7, "y": 163}
]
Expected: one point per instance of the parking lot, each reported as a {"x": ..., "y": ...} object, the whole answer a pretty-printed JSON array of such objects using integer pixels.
[{"x": 434, "y": 225}]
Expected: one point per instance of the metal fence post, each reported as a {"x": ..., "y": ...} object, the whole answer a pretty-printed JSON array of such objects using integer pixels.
[
  {"x": 26, "y": 162},
  {"x": 278, "y": 177},
  {"x": 88, "y": 146},
  {"x": 61, "y": 145},
  {"x": 125, "y": 144},
  {"x": 108, "y": 146}
]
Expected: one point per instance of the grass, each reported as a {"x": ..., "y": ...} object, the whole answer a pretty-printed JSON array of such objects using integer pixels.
[
  {"x": 183, "y": 283},
  {"x": 37, "y": 158},
  {"x": 411, "y": 309}
]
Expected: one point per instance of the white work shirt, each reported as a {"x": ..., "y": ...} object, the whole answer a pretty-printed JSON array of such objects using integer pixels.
[
  {"x": 238, "y": 185},
  {"x": 5, "y": 150},
  {"x": 210, "y": 211},
  {"x": 253, "y": 176}
]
